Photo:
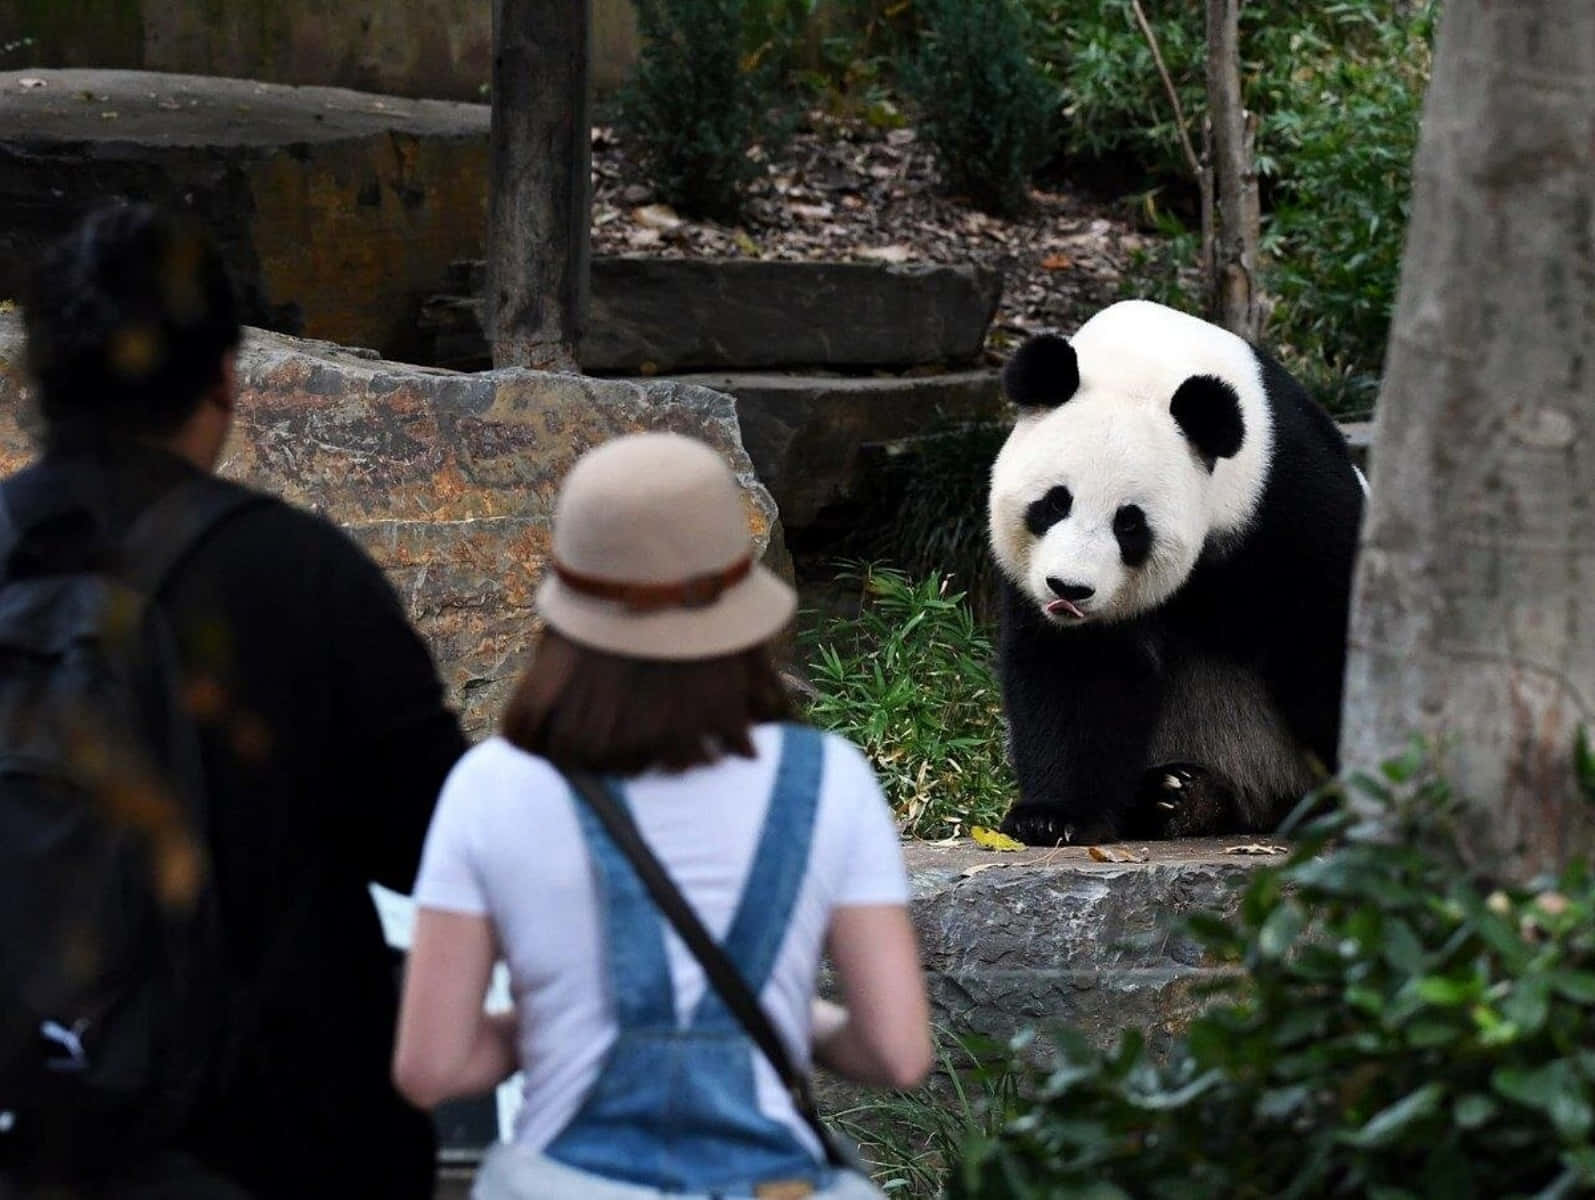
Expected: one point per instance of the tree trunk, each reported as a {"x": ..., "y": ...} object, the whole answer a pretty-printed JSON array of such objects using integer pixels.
[
  {"x": 1474, "y": 614},
  {"x": 1236, "y": 298},
  {"x": 538, "y": 246}
]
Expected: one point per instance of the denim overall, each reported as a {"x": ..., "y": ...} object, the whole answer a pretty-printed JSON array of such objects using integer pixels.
[{"x": 675, "y": 1107}]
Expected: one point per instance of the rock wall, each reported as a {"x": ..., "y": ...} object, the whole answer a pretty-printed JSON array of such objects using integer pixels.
[{"x": 448, "y": 480}]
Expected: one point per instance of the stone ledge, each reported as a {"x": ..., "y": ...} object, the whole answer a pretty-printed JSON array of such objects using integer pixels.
[
  {"x": 655, "y": 315},
  {"x": 338, "y": 211},
  {"x": 1054, "y": 937}
]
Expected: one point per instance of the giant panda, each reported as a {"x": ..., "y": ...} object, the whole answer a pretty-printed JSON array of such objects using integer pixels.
[{"x": 1175, "y": 523}]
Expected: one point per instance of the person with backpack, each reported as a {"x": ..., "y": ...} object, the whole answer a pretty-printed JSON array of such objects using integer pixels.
[
  {"x": 660, "y": 855},
  {"x": 217, "y": 727}
]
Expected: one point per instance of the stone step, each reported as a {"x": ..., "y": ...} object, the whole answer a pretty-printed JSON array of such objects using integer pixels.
[
  {"x": 654, "y": 315},
  {"x": 338, "y": 211},
  {"x": 810, "y": 435}
]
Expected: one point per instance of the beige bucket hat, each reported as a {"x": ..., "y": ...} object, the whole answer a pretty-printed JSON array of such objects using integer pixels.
[{"x": 652, "y": 556}]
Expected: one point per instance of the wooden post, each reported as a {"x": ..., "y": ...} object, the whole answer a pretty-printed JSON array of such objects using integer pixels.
[
  {"x": 1236, "y": 296},
  {"x": 539, "y": 239}
]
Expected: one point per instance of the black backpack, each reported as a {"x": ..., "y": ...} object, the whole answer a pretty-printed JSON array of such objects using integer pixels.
[{"x": 113, "y": 983}]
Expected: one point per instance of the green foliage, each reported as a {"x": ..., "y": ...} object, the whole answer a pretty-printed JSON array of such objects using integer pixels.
[
  {"x": 1338, "y": 138},
  {"x": 927, "y": 513},
  {"x": 1338, "y": 88},
  {"x": 983, "y": 104},
  {"x": 1400, "y": 1027},
  {"x": 910, "y": 679},
  {"x": 697, "y": 104},
  {"x": 908, "y": 1139}
]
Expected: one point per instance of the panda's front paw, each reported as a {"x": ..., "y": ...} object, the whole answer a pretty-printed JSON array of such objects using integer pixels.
[
  {"x": 1037, "y": 825},
  {"x": 1181, "y": 800},
  {"x": 1044, "y": 825}
]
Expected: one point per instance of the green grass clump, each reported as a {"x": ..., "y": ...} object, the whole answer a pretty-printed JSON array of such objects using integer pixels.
[{"x": 910, "y": 678}]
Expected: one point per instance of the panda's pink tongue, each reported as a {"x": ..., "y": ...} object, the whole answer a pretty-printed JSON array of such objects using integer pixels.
[{"x": 1065, "y": 606}]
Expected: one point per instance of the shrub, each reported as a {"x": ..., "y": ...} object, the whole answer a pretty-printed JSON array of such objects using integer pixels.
[
  {"x": 1338, "y": 89},
  {"x": 910, "y": 679},
  {"x": 696, "y": 105},
  {"x": 983, "y": 104},
  {"x": 926, "y": 513},
  {"x": 1401, "y": 1027}
]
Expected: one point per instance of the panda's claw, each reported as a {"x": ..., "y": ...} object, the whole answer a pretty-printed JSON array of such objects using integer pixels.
[{"x": 1173, "y": 782}]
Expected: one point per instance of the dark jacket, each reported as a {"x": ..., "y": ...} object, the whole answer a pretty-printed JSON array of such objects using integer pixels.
[{"x": 326, "y": 740}]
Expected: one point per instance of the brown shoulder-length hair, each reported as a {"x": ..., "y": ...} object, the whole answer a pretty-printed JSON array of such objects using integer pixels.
[{"x": 589, "y": 710}]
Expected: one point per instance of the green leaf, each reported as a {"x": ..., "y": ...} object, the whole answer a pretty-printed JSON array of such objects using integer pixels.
[
  {"x": 1402, "y": 949},
  {"x": 1387, "y": 1125},
  {"x": 1280, "y": 929},
  {"x": 1448, "y": 993},
  {"x": 1577, "y": 986},
  {"x": 1554, "y": 1089},
  {"x": 1474, "y": 1110},
  {"x": 1528, "y": 1005}
]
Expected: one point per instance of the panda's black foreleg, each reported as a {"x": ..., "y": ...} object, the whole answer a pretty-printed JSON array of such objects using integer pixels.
[{"x": 1081, "y": 708}]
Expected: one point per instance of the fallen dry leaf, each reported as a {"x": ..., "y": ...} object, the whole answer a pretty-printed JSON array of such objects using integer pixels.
[
  {"x": 1057, "y": 262},
  {"x": 1256, "y": 848},
  {"x": 992, "y": 840},
  {"x": 895, "y": 253},
  {"x": 810, "y": 212},
  {"x": 656, "y": 216},
  {"x": 1116, "y": 854},
  {"x": 971, "y": 872}
]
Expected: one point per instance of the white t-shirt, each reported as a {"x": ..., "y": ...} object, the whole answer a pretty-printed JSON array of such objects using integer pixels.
[{"x": 505, "y": 843}]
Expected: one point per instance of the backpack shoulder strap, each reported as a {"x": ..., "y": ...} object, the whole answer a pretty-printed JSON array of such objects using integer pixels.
[
  {"x": 164, "y": 533},
  {"x": 8, "y": 531}
]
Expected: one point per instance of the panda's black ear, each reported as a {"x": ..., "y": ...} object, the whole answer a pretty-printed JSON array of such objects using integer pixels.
[
  {"x": 1042, "y": 373},
  {"x": 1208, "y": 411}
]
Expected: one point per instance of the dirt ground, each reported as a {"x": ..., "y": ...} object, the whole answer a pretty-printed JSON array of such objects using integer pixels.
[{"x": 844, "y": 190}]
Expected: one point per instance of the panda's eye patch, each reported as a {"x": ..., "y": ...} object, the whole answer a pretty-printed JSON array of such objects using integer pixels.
[
  {"x": 1046, "y": 512},
  {"x": 1135, "y": 539},
  {"x": 1128, "y": 520}
]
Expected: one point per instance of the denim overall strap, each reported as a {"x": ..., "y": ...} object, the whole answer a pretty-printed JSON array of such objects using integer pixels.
[
  {"x": 639, "y": 971},
  {"x": 676, "y": 1108},
  {"x": 779, "y": 866}
]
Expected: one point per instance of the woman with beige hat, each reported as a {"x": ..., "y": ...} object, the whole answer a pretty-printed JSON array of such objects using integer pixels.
[{"x": 646, "y": 756}]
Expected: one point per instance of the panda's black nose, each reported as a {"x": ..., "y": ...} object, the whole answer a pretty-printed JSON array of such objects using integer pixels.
[{"x": 1069, "y": 591}]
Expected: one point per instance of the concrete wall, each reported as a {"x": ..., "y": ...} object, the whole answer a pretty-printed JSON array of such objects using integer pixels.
[{"x": 420, "y": 48}]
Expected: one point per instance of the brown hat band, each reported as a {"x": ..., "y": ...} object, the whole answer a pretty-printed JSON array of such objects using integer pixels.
[{"x": 697, "y": 592}]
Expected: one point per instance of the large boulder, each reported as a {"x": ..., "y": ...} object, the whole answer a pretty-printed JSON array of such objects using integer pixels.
[
  {"x": 338, "y": 211},
  {"x": 448, "y": 480},
  {"x": 651, "y": 315}
]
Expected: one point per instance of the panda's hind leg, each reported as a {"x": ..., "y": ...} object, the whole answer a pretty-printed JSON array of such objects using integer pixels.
[{"x": 1183, "y": 800}]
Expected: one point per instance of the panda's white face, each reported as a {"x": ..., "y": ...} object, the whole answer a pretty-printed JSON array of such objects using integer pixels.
[
  {"x": 1139, "y": 440},
  {"x": 1097, "y": 515}
]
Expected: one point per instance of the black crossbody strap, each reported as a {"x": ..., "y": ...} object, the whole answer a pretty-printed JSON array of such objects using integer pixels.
[{"x": 717, "y": 965}]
